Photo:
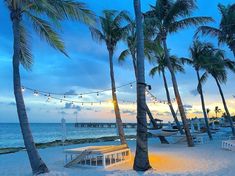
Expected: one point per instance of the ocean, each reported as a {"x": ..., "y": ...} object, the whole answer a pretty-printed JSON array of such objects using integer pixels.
[{"x": 10, "y": 133}]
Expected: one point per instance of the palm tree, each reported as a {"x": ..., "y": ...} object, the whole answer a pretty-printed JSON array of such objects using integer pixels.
[
  {"x": 226, "y": 31},
  {"x": 112, "y": 31},
  {"x": 217, "y": 110},
  {"x": 199, "y": 52},
  {"x": 170, "y": 16},
  {"x": 130, "y": 40},
  {"x": 207, "y": 112},
  {"x": 31, "y": 12},
  {"x": 216, "y": 66},
  {"x": 141, "y": 162},
  {"x": 160, "y": 68}
]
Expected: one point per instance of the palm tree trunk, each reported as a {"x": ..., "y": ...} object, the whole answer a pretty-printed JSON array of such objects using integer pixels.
[
  {"x": 162, "y": 138},
  {"x": 141, "y": 162},
  {"x": 37, "y": 164},
  {"x": 115, "y": 101},
  {"x": 225, "y": 106},
  {"x": 203, "y": 105},
  {"x": 170, "y": 104},
  {"x": 147, "y": 108},
  {"x": 134, "y": 64},
  {"x": 177, "y": 96}
]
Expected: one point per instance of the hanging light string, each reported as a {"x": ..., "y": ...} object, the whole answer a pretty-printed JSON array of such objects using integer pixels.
[
  {"x": 154, "y": 99},
  {"x": 64, "y": 98},
  {"x": 76, "y": 94}
]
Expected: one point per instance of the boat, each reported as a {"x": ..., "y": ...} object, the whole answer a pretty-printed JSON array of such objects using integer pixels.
[{"x": 163, "y": 132}]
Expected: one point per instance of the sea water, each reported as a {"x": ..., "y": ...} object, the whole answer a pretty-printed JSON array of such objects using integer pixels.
[{"x": 10, "y": 133}]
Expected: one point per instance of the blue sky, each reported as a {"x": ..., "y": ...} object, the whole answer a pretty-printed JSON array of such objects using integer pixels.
[{"x": 88, "y": 70}]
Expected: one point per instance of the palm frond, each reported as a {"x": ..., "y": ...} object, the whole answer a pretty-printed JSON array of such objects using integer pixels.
[
  {"x": 186, "y": 22},
  {"x": 207, "y": 30},
  {"x": 123, "y": 55},
  {"x": 204, "y": 77},
  {"x": 45, "y": 30},
  {"x": 186, "y": 60},
  {"x": 229, "y": 64},
  {"x": 97, "y": 35},
  {"x": 155, "y": 70},
  {"x": 180, "y": 8},
  {"x": 73, "y": 10},
  {"x": 26, "y": 58}
]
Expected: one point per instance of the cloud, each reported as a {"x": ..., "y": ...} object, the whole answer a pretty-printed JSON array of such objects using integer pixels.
[
  {"x": 188, "y": 107},
  {"x": 129, "y": 112},
  {"x": 70, "y": 92},
  {"x": 63, "y": 113},
  {"x": 166, "y": 113},
  {"x": 197, "y": 112},
  {"x": 28, "y": 109},
  {"x": 72, "y": 106},
  {"x": 194, "y": 92},
  {"x": 12, "y": 104}
]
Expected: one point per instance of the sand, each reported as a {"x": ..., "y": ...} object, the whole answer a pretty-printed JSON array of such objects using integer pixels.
[{"x": 166, "y": 160}]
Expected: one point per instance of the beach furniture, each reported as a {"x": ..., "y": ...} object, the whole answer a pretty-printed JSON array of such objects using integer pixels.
[
  {"x": 197, "y": 138},
  {"x": 98, "y": 156},
  {"x": 228, "y": 145},
  {"x": 163, "y": 132},
  {"x": 200, "y": 139}
]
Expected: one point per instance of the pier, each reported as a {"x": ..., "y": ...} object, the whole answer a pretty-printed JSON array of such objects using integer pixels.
[{"x": 104, "y": 125}]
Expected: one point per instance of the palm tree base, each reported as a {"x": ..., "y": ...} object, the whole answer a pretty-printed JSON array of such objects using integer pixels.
[
  {"x": 42, "y": 169},
  {"x": 142, "y": 169}
]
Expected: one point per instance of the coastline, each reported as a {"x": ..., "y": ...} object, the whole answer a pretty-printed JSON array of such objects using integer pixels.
[{"x": 55, "y": 143}]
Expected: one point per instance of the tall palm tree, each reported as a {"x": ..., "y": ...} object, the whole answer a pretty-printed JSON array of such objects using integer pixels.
[
  {"x": 217, "y": 110},
  {"x": 216, "y": 65},
  {"x": 141, "y": 162},
  {"x": 208, "y": 111},
  {"x": 112, "y": 31},
  {"x": 199, "y": 51},
  {"x": 170, "y": 16},
  {"x": 226, "y": 31},
  {"x": 31, "y": 12},
  {"x": 130, "y": 40},
  {"x": 160, "y": 68}
]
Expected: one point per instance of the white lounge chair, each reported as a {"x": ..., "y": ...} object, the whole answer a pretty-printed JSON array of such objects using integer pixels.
[
  {"x": 228, "y": 145},
  {"x": 98, "y": 156}
]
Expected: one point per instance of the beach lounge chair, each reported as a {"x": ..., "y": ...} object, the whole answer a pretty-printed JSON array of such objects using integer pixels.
[
  {"x": 98, "y": 156},
  {"x": 228, "y": 145}
]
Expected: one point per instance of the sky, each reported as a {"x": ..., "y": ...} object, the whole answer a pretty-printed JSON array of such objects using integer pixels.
[{"x": 87, "y": 69}]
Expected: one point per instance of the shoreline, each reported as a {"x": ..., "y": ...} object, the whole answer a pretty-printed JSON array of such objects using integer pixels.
[{"x": 8, "y": 150}]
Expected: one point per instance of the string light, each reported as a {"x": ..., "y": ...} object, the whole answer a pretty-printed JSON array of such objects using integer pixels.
[
  {"x": 155, "y": 100},
  {"x": 22, "y": 89},
  {"x": 81, "y": 94},
  {"x": 35, "y": 93},
  {"x": 51, "y": 95}
]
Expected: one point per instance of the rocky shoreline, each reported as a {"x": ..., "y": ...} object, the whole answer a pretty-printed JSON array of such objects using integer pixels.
[{"x": 67, "y": 142}]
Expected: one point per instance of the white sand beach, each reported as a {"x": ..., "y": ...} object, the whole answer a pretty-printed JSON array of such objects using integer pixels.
[{"x": 166, "y": 160}]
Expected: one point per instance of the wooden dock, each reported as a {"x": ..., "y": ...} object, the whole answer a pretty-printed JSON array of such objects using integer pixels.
[{"x": 104, "y": 125}]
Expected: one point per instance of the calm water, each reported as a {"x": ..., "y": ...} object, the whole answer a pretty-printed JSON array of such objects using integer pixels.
[{"x": 10, "y": 134}]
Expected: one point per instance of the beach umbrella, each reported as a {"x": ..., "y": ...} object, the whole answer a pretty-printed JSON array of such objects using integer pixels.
[
  {"x": 192, "y": 126},
  {"x": 63, "y": 128}
]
